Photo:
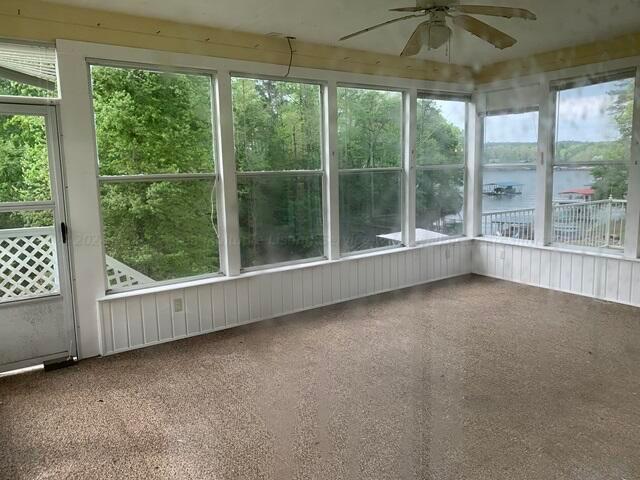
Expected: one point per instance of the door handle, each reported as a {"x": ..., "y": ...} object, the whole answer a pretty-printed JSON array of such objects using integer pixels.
[{"x": 65, "y": 232}]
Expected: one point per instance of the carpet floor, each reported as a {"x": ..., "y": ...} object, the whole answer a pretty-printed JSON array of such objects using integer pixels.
[{"x": 470, "y": 378}]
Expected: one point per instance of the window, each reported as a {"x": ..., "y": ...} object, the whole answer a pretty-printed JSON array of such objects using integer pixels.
[
  {"x": 157, "y": 176},
  {"x": 278, "y": 138},
  {"x": 440, "y": 140},
  {"x": 27, "y": 70},
  {"x": 370, "y": 163},
  {"x": 591, "y": 164},
  {"x": 509, "y": 153},
  {"x": 28, "y": 260}
]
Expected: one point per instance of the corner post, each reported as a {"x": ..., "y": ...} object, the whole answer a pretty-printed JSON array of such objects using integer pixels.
[{"x": 632, "y": 230}]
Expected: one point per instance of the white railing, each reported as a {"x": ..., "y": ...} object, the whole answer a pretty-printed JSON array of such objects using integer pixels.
[
  {"x": 593, "y": 224},
  {"x": 509, "y": 223},
  {"x": 29, "y": 265},
  {"x": 598, "y": 224}
]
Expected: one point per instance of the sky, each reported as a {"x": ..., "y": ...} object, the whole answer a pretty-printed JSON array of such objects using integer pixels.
[{"x": 582, "y": 116}]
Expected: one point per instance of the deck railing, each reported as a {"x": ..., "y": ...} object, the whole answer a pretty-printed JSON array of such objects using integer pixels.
[
  {"x": 29, "y": 265},
  {"x": 509, "y": 223},
  {"x": 600, "y": 223}
]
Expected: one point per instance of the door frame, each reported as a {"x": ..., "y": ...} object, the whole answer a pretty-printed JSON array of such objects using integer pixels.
[{"x": 49, "y": 111}]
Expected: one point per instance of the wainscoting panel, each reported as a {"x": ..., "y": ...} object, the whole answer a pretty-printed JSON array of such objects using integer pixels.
[
  {"x": 147, "y": 317},
  {"x": 589, "y": 274}
]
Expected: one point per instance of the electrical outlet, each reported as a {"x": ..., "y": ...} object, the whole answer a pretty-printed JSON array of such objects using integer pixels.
[{"x": 178, "y": 305}]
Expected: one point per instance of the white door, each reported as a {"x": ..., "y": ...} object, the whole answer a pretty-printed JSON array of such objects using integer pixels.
[{"x": 36, "y": 308}]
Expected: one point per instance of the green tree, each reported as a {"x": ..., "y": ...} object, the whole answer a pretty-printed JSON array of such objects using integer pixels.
[
  {"x": 24, "y": 161},
  {"x": 612, "y": 180},
  {"x": 439, "y": 193},
  {"x": 153, "y": 123}
]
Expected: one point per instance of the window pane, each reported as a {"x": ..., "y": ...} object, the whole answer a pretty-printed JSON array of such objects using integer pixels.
[
  {"x": 152, "y": 122},
  {"x": 277, "y": 125},
  {"x": 28, "y": 70},
  {"x": 509, "y": 189},
  {"x": 24, "y": 159},
  {"x": 440, "y": 132},
  {"x": 510, "y": 138},
  {"x": 370, "y": 210},
  {"x": 589, "y": 206},
  {"x": 280, "y": 218},
  {"x": 369, "y": 128},
  {"x": 159, "y": 230},
  {"x": 28, "y": 261},
  {"x": 439, "y": 204},
  {"x": 594, "y": 123}
]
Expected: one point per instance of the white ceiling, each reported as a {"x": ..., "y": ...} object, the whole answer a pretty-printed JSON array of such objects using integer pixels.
[{"x": 560, "y": 23}]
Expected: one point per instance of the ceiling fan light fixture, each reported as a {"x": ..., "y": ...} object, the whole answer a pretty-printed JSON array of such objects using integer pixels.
[{"x": 437, "y": 34}]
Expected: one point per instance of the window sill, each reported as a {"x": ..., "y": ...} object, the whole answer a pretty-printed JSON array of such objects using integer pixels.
[
  {"x": 170, "y": 287},
  {"x": 572, "y": 249}
]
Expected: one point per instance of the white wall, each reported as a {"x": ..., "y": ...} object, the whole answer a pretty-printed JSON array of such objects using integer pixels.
[
  {"x": 136, "y": 319},
  {"x": 583, "y": 273}
]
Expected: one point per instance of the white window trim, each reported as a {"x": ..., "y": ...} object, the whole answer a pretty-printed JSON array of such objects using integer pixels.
[
  {"x": 467, "y": 99},
  {"x": 407, "y": 149},
  {"x": 478, "y": 167},
  {"x": 547, "y": 141},
  {"x": 212, "y": 176},
  {"x": 320, "y": 172}
]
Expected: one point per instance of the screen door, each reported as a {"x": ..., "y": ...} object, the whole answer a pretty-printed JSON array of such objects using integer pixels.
[{"x": 36, "y": 312}]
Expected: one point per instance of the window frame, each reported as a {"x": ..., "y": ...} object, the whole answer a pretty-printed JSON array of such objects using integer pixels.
[
  {"x": 515, "y": 166},
  {"x": 451, "y": 97},
  {"x": 213, "y": 176},
  {"x": 405, "y": 131},
  {"x": 320, "y": 172},
  {"x": 555, "y": 88}
]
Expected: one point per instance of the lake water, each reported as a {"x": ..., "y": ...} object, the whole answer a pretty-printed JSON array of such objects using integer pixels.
[{"x": 562, "y": 180}]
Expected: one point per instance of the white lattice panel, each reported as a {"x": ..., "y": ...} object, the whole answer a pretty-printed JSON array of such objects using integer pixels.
[
  {"x": 120, "y": 275},
  {"x": 28, "y": 263}
]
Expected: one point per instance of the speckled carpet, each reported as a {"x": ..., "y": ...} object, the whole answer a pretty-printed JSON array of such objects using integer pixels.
[{"x": 469, "y": 378}]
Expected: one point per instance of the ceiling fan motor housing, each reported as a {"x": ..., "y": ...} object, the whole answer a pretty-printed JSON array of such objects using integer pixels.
[{"x": 435, "y": 3}]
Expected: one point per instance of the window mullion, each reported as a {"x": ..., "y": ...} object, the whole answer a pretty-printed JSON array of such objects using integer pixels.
[
  {"x": 409, "y": 162},
  {"x": 227, "y": 196},
  {"x": 331, "y": 183}
]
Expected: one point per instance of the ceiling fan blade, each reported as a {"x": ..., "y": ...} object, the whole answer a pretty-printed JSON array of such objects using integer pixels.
[
  {"x": 407, "y": 9},
  {"x": 414, "y": 44},
  {"x": 365, "y": 30},
  {"x": 484, "y": 31},
  {"x": 506, "y": 12}
]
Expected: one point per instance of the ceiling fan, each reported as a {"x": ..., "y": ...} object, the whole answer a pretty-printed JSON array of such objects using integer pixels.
[{"x": 434, "y": 32}]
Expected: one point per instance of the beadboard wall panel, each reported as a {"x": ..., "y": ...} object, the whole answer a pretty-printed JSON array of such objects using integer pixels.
[
  {"x": 588, "y": 274},
  {"x": 149, "y": 318}
]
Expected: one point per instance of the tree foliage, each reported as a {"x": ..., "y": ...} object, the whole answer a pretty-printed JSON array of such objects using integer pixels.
[
  {"x": 156, "y": 123},
  {"x": 161, "y": 123}
]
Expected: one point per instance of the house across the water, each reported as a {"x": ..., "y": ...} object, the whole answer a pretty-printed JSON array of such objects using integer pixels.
[{"x": 584, "y": 194}]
